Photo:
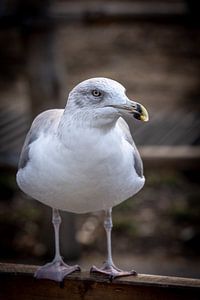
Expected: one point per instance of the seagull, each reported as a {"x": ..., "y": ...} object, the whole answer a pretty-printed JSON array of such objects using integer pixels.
[{"x": 83, "y": 159}]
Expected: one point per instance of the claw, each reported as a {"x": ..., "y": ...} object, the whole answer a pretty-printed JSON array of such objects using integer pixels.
[
  {"x": 112, "y": 271},
  {"x": 55, "y": 270}
]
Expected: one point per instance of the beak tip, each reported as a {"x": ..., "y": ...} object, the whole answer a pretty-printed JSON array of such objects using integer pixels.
[{"x": 144, "y": 116}]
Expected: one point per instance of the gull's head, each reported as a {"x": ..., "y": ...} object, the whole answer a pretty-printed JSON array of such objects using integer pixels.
[{"x": 106, "y": 97}]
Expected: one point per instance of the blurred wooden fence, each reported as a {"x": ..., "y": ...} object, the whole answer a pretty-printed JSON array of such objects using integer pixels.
[
  {"x": 37, "y": 23},
  {"x": 17, "y": 282},
  {"x": 52, "y": 12},
  {"x": 45, "y": 73}
]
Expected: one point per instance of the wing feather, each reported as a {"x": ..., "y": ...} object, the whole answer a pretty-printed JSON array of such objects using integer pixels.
[
  {"x": 127, "y": 135},
  {"x": 41, "y": 124}
]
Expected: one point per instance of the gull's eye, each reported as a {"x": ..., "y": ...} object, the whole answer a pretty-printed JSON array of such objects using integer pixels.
[{"x": 96, "y": 93}]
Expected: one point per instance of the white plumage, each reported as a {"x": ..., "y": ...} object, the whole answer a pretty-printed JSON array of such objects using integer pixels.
[{"x": 83, "y": 159}]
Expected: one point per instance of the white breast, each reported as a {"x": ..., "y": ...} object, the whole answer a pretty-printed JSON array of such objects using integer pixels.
[{"x": 94, "y": 173}]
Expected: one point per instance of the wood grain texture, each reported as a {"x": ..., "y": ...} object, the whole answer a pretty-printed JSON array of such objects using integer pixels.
[
  {"x": 17, "y": 282},
  {"x": 179, "y": 157}
]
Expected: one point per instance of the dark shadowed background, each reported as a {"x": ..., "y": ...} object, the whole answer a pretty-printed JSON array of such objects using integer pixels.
[{"x": 152, "y": 48}]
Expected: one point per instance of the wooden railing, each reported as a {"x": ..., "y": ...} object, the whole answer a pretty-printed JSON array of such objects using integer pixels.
[
  {"x": 175, "y": 157},
  {"x": 17, "y": 283}
]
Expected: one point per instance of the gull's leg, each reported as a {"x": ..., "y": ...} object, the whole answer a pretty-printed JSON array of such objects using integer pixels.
[
  {"x": 57, "y": 269},
  {"x": 108, "y": 267}
]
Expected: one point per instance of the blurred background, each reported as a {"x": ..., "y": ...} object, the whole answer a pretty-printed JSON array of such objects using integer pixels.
[{"x": 152, "y": 48}]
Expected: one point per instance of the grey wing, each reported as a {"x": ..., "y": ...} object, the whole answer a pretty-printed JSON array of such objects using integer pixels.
[
  {"x": 42, "y": 123},
  {"x": 127, "y": 135}
]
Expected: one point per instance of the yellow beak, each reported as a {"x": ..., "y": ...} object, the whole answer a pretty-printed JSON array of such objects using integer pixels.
[{"x": 138, "y": 110}]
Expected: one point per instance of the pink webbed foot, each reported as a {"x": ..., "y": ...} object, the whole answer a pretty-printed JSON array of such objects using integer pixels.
[
  {"x": 55, "y": 270},
  {"x": 112, "y": 271}
]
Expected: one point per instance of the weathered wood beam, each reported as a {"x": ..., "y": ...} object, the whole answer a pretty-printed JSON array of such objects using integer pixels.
[
  {"x": 177, "y": 157},
  {"x": 70, "y": 11},
  {"x": 17, "y": 282},
  {"x": 124, "y": 11}
]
